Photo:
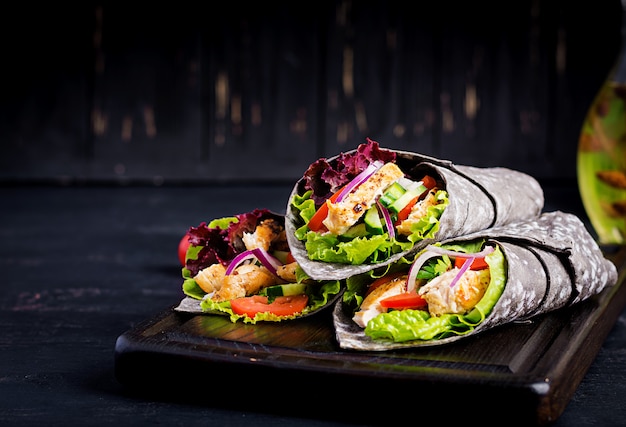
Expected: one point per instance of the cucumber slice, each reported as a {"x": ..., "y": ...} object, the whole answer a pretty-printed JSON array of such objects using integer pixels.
[
  {"x": 281, "y": 256},
  {"x": 285, "y": 290},
  {"x": 391, "y": 194},
  {"x": 404, "y": 200},
  {"x": 357, "y": 230},
  {"x": 372, "y": 221}
]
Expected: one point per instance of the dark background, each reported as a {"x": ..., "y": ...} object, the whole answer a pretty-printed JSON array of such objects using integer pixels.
[{"x": 163, "y": 92}]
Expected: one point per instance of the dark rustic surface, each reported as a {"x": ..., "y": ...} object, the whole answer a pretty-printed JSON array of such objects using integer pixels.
[
  {"x": 244, "y": 90},
  {"x": 80, "y": 266}
]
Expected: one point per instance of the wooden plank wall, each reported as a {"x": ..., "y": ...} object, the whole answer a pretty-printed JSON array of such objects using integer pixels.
[{"x": 248, "y": 91}]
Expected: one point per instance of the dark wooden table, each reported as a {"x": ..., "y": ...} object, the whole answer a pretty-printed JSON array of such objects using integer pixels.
[{"x": 81, "y": 265}]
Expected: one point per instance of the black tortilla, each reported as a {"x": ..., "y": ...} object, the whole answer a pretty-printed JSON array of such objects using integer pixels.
[
  {"x": 480, "y": 198},
  {"x": 552, "y": 262}
]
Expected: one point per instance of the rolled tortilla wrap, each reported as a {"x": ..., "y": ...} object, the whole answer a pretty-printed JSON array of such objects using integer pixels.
[
  {"x": 245, "y": 256},
  {"x": 550, "y": 262},
  {"x": 478, "y": 198}
]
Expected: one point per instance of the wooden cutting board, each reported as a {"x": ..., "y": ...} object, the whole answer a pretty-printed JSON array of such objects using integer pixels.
[{"x": 524, "y": 372}]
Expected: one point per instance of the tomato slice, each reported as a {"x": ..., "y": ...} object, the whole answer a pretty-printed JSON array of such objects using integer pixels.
[
  {"x": 429, "y": 182},
  {"x": 405, "y": 211},
  {"x": 182, "y": 249},
  {"x": 478, "y": 264},
  {"x": 285, "y": 257},
  {"x": 281, "y": 306},
  {"x": 382, "y": 280},
  {"x": 315, "y": 223},
  {"x": 404, "y": 301}
]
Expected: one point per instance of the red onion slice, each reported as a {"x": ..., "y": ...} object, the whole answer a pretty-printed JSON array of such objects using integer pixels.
[
  {"x": 456, "y": 254},
  {"x": 238, "y": 260},
  {"x": 359, "y": 179},
  {"x": 415, "y": 268},
  {"x": 268, "y": 261},
  {"x": 388, "y": 222},
  {"x": 462, "y": 270}
]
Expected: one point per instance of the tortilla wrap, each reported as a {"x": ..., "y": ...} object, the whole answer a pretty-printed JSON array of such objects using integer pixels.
[
  {"x": 479, "y": 198},
  {"x": 551, "y": 262},
  {"x": 231, "y": 242}
]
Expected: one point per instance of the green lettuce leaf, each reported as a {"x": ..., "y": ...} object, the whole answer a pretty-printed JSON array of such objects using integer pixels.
[
  {"x": 222, "y": 223},
  {"x": 191, "y": 289},
  {"x": 369, "y": 249}
]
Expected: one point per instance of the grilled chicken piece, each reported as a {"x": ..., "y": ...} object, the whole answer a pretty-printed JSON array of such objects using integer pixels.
[
  {"x": 247, "y": 279},
  {"x": 267, "y": 232},
  {"x": 370, "y": 307},
  {"x": 342, "y": 215},
  {"x": 460, "y": 298},
  {"x": 417, "y": 212},
  {"x": 287, "y": 272},
  {"x": 210, "y": 279}
]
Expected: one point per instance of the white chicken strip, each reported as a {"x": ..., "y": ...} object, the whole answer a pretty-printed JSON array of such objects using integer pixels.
[
  {"x": 210, "y": 279},
  {"x": 342, "y": 215},
  {"x": 460, "y": 298},
  {"x": 287, "y": 272},
  {"x": 247, "y": 279},
  {"x": 370, "y": 307},
  {"x": 264, "y": 235}
]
